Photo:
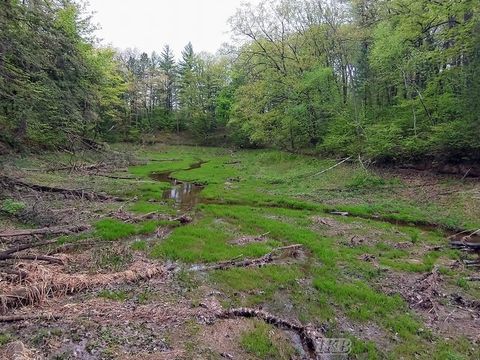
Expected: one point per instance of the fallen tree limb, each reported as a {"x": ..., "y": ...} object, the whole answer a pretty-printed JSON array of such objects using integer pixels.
[
  {"x": 20, "y": 273},
  {"x": 333, "y": 167},
  {"x": 14, "y": 318},
  {"x": 129, "y": 218},
  {"x": 5, "y": 254},
  {"x": 116, "y": 177},
  {"x": 261, "y": 261},
  {"x": 54, "y": 230},
  {"x": 308, "y": 334},
  {"x": 49, "y": 259},
  {"x": 84, "y": 194},
  {"x": 70, "y": 168}
]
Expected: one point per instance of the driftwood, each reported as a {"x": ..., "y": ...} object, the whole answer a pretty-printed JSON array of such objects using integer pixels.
[
  {"x": 261, "y": 261},
  {"x": 54, "y": 230},
  {"x": 308, "y": 334},
  {"x": 84, "y": 194}
]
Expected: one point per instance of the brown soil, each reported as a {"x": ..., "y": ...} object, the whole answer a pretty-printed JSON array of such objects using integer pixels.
[{"x": 429, "y": 297}]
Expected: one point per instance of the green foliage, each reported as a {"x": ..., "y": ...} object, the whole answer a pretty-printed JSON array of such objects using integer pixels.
[
  {"x": 60, "y": 89},
  {"x": 261, "y": 343},
  {"x": 12, "y": 207},
  {"x": 4, "y": 338},
  {"x": 112, "y": 229},
  {"x": 115, "y": 295}
]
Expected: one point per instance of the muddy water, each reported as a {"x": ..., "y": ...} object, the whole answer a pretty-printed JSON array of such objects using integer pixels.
[{"x": 184, "y": 194}]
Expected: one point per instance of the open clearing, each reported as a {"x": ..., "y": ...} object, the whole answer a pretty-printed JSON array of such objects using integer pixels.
[{"x": 158, "y": 244}]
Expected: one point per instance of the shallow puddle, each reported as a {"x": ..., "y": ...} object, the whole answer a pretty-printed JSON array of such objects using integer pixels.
[{"x": 184, "y": 194}]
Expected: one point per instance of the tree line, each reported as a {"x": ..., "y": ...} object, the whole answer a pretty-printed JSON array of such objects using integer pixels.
[{"x": 391, "y": 80}]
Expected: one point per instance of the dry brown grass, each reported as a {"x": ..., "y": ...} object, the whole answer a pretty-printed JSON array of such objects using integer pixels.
[{"x": 44, "y": 281}]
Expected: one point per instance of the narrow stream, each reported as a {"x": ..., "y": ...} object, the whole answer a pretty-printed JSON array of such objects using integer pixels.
[{"x": 184, "y": 194}]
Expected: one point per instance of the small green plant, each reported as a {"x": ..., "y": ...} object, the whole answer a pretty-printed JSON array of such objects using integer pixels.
[
  {"x": 365, "y": 180},
  {"x": 44, "y": 334},
  {"x": 113, "y": 259},
  {"x": 115, "y": 295},
  {"x": 139, "y": 245},
  {"x": 12, "y": 207},
  {"x": 4, "y": 338},
  {"x": 463, "y": 283},
  {"x": 260, "y": 342}
]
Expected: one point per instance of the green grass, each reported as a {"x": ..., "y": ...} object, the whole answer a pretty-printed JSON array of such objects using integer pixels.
[
  {"x": 113, "y": 259},
  {"x": 112, "y": 229},
  {"x": 253, "y": 192},
  {"x": 115, "y": 295},
  {"x": 5, "y": 338},
  {"x": 12, "y": 207},
  {"x": 260, "y": 342}
]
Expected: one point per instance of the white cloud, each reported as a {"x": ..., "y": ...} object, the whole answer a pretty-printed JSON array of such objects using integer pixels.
[{"x": 150, "y": 24}]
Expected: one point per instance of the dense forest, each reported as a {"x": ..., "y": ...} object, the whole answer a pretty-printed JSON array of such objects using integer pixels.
[{"x": 390, "y": 80}]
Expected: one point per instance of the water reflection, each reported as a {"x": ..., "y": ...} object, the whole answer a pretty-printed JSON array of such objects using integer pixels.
[{"x": 184, "y": 194}]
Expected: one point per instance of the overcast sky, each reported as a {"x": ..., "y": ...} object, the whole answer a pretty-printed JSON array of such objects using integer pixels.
[{"x": 149, "y": 24}]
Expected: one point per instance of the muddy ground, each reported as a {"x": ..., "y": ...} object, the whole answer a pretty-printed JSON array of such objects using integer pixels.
[{"x": 93, "y": 288}]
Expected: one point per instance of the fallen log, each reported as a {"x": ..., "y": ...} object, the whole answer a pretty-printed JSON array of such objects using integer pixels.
[
  {"x": 54, "y": 230},
  {"x": 81, "y": 193},
  {"x": 129, "y": 218},
  {"x": 20, "y": 273},
  {"x": 309, "y": 335},
  {"x": 19, "y": 248},
  {"x": 261, "y": 261},
  {"x": 14, "y": 318},
  {"x": 116, "y": 177},
  {"x": 49, "y": 259},
  {"x": 70, "y": 168}
]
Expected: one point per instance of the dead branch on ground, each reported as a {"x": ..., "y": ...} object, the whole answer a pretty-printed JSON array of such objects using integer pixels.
[
  {"x": 261, "y": 261},
  {"x": 130, "y": 218},
  {"x": 308, "y": 334},
  {"x": 54, "y": 230},
  {"x": 333, "y": 167},
  {"x": 80, "y": 193},
  {"x": 71, "y": 168},
  {"x": 426, "y": 290},
  {"x": 14, "y": 318}
]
